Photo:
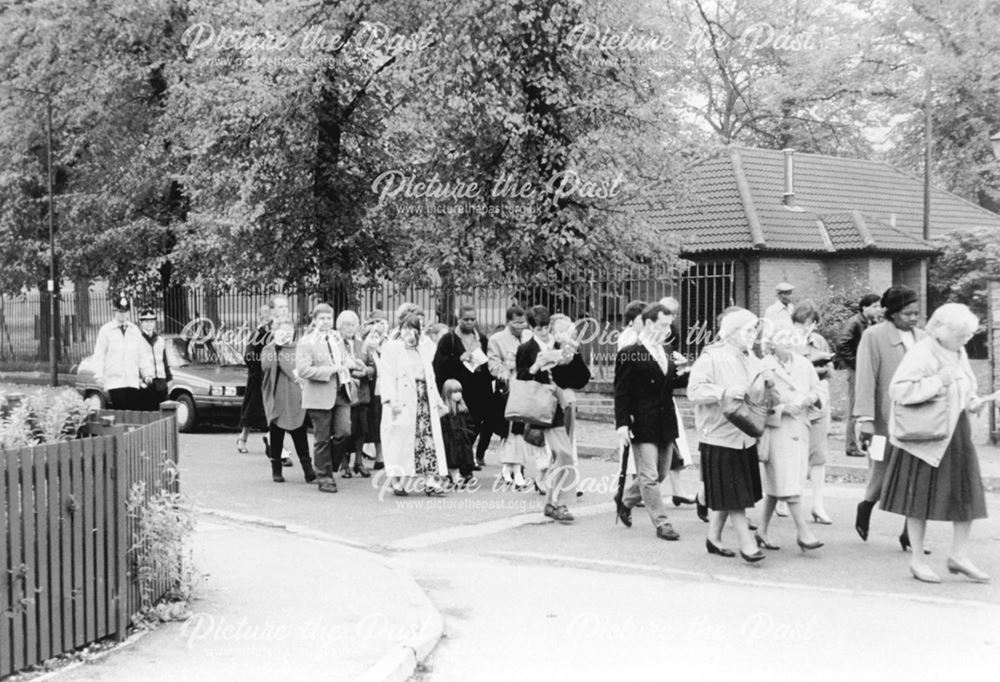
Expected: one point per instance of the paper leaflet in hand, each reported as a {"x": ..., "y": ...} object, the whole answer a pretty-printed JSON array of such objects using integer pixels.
[{"x": 478, "y": 357}]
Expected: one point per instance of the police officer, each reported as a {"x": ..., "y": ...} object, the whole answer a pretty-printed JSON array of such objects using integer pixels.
[
  {"x": 122, "y": 361},
  {"x": 155, "y": 391}
]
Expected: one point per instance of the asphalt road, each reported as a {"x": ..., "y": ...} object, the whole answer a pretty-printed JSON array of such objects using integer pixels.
[{"x": 524, "y": 596}]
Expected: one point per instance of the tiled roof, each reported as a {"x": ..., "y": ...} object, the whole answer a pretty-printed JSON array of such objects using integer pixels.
[{"x": 847, "y": 205}]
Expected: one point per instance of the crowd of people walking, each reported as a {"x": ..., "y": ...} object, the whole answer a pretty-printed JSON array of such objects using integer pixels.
[{"x": 427, "y": 401}]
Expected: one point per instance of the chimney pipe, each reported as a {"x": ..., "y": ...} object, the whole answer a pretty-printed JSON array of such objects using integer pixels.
[{"x": 788, "y": 198}]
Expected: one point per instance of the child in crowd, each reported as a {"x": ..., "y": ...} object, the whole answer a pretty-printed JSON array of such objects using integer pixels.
[{"x": 455, "y": 430}]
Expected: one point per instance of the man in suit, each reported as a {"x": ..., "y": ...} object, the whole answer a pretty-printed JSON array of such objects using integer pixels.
[
  {"x": 645, "y": 415},
  {"x": 123, "y": 364},
  {"x": 548, "y": 360},
  {"x": 457, "y": 350},
  {"x": 320, "y": 363}
]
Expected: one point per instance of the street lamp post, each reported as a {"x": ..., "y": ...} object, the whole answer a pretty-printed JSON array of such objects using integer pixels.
[{"x": 53, "y": 367}]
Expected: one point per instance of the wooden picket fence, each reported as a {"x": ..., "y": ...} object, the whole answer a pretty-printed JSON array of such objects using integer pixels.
[{"x": 68, "y": 578}]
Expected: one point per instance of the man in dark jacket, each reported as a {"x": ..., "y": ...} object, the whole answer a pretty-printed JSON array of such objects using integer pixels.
[
  {"x": 846, "y": 348},
  {"x": 644, "y": 414},
  {"x": 461, "y": 355}
]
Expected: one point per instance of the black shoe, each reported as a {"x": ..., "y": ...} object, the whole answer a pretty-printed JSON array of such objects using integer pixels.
[
  {"x": 678, "y": 500},
  {"x": 361, "y": 471},
  {"x": 703, "y": 512},
  {"x": 477, "y": 467},
  {"x": 276, "y": 475},
  {"x": 752, "y": 558},
  {"x": 855, "y": 454},
  {"x": 286, "y": 461},
  {"x": 863, "y": 518},
  {"x": 623, "y": 513},
  {"x": 328, "y": 486},
  {"x": 667, "y": 532},
  {"x": 346, "y": 473},
  {"x": 715, "y": 549},
  {"x": 808, "y": 545},
  {"x": 378, "y": 466},
  {"x": 761, "y": 542}
]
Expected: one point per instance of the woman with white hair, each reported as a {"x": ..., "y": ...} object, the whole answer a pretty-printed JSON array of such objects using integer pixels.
[
  {"x": 933, "y": 471},
  {"x": 785, "y": 446},
  {"x": 724, "y": 372}
]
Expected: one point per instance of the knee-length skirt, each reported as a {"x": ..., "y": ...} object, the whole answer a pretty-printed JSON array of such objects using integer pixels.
[
  {"x": 732, "y": 477},
  {"x": 952, "y": 491}
]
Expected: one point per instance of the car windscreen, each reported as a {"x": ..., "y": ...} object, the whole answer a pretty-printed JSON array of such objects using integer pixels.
[{"x": 216, "y": 353}]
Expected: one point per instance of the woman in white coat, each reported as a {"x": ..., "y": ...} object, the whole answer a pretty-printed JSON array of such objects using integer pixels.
[{"x": 412, "y": 443}]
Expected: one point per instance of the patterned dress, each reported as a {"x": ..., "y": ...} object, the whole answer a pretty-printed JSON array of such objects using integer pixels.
[{"x": 426, "y": 463}]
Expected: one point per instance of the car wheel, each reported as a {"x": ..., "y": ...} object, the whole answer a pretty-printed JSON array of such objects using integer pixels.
[
  {"x": 95, "y": 400},
  {"x": 187, "y": 415}
]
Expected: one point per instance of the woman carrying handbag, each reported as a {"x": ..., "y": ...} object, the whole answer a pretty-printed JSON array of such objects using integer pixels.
[{"x": 933, "y": 470}]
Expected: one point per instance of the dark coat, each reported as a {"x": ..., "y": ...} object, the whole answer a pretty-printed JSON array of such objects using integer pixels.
[
  {"x": 282, "y": 397},
  {"x": 644, "y": 399},
  {"x": 846, "y": 345},
  {"x": 457, "y": 443},
  {"x": 477, "y": 387},
  {"x": 365, "y": 383},
  {"x": 574, "y": 374}
]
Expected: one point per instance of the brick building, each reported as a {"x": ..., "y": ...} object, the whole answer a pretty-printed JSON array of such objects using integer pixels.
[{"x": 765, "y": 216}]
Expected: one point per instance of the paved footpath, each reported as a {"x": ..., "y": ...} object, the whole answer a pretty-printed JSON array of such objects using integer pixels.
[{"x": 303, "y": 585}]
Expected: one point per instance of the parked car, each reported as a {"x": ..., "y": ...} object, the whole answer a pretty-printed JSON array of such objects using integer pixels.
[{"x": 208, "y": 382}]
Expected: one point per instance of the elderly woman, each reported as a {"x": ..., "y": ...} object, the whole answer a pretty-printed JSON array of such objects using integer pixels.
[
  {"x": 930, "y": 477},
  {"x": 282, "y": 398},
  {"x": 785, "y": 447},
  {"x": 374, "y": 333},
  {"x": 361, "y": 370},
  {"x": 881, "y": 350},
  {"x": 411, "y": 411},
  {"x": 724, "y": 372},
  {"x": 817, "y": 351}
]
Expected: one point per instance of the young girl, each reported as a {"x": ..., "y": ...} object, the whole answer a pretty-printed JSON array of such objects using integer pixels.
[{"x": 455, "y": 429}]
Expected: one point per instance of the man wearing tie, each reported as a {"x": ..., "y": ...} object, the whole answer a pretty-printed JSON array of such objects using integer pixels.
[
  {"x": 122, "y": 364},
  {"x": 320, "y": 365}
]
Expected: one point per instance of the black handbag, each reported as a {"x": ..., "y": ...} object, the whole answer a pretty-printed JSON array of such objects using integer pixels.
[{"x": 750, "y": 414}]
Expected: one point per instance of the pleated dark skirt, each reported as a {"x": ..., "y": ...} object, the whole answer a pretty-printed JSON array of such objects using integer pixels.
[
  {"x": 951, "y": 492},
  {"x": 732, "y": 477}
]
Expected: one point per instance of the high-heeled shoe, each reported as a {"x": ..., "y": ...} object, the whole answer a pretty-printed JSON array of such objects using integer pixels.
[
  {"x": 622, "y": 512},
  {"x": 863, "y": 518},
  {"x": 924, "y": 575},
  {"x": 242, "y": 449},
  {"x": 361, "y": 471},
  {"x": 761, "y": 542},
  {"x": 904, "y": 542},
  {"x": 678, "y": 500},
  {"x": 702, "y": 511},
  {"x": 821, "y": 518},
  {"x": 715, "y": 549},
  {"x": 805, "y": 546},
  {"x": 752, "y": 558},
  {"x": 970, "y": 572},
  {"x": 346, "y": 473}
]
